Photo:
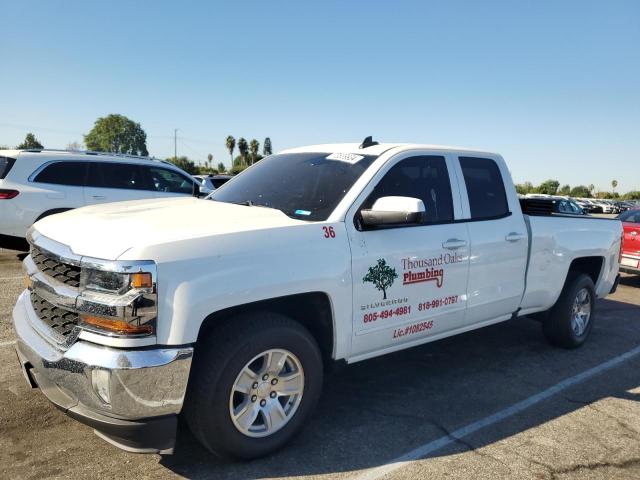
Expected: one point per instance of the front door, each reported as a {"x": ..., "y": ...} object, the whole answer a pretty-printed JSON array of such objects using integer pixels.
[{"x": 409, "y": 282}]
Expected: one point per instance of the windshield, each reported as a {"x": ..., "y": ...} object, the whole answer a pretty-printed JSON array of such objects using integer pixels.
[{"x": 305, "y": 186}]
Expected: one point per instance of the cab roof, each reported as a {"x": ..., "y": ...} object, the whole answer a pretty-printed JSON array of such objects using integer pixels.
[{"x": 380, "y": 148}]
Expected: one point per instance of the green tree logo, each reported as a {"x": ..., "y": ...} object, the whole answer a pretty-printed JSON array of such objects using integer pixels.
[{"x": 382, "y": 276}]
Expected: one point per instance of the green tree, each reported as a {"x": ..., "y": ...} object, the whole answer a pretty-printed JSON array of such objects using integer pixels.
[
  {"x": 580, "y": 191},
  {"x": 524, "y": 188},
  {"x": 74, "y": 146},
  {"x": 30, "y": 143},
  {"x": 254, "y": 148},
  {"x": 564, "y": 190},
  {"x": 614, "y": 184},
  {"x": 382, "y": 276},
  {"x": 231, "y": 145},
  {"x": 209, "y": 160},
  {"x": 266, "y": 148},
  {"x": 185, "y": 164},
  {"x": 237, "y": 168},
  {"x": 117, "y": 134},
  {"x": 243, "y": 148},
  {"x": 633, "y": 195},
  {"x": 550, "y": 187},
  {"x": 221, "y": 168}
]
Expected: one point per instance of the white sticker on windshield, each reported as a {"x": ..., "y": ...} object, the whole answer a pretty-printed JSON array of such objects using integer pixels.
[{"x": 345, "y": 157}]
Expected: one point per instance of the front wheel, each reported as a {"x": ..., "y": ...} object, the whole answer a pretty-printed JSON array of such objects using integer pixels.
[
  {"x": 570, "y": 320},
  {"x": 255, "y": 382}
]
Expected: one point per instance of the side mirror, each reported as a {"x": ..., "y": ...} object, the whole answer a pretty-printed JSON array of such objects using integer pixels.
[
  {"x": 394, "y": 211},
  {"x": 204, "y": 191}
]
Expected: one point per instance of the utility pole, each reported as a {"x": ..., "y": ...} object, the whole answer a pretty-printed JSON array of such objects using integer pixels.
[{"x": 175, "y": 143}]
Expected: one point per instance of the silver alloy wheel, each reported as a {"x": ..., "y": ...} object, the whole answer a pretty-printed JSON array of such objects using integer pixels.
[
  {"x": 581, "y": 312},
  {"x": 266, "y": 393}
]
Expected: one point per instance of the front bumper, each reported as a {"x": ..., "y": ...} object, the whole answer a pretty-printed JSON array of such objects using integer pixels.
[{"x": 130, "y": 397}]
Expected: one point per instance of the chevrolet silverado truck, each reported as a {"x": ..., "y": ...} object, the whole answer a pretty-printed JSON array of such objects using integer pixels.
[{"x": 138, "y": 312}]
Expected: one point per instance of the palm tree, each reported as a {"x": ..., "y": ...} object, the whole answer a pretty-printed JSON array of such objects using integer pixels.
[
  {"x": 231, "y": 145},
  {"x": 592, "y": 187},
  {"x": 221, "y": 168},
  {"x": 254, "y": 148},
  {"x": 614, "y": 184},
  {"x": 242, "y": 148}
]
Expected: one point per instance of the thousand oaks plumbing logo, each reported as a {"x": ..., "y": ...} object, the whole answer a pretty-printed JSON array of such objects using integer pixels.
[{"x": 382, "y": 276}]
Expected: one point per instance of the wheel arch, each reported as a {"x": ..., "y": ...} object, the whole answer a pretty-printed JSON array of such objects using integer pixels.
[
  {"x": 591, "y": 266},
  {"x": 52, "y": 211},
  {"x": 313, "y": 310}
]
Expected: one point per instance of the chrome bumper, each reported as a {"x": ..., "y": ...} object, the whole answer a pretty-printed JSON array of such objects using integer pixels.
[{"x": 118, "y": 383}]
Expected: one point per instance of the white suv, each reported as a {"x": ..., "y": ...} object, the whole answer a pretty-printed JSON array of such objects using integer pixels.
[{"x": 38, "y": 183}]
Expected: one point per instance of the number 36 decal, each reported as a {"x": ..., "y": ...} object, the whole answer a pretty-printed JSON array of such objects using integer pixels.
[{"x": 329, "y": 232}]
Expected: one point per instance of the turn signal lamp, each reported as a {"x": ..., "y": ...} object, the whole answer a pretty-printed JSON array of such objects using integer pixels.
[
  {"x": 141, "y": 280},
  {"x": 116, "y": 326}
]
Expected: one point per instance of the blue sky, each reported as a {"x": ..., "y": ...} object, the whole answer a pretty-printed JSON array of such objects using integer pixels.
[{"x": 553, "y": 86}]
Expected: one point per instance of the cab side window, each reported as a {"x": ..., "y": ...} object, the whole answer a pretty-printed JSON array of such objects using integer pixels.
[
  {"x": 422, "y": 177},
  {"x": 485, "y": 188}
]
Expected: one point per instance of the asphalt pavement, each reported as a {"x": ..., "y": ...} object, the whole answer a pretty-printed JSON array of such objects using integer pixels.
[{"x": 499, "y": 402}]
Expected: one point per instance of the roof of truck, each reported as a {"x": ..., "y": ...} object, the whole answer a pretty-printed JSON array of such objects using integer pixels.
[{"x": 380, "y": 148}]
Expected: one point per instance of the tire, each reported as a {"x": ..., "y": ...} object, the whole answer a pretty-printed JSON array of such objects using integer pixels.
[
  {"x": 560, "y": 327},
  {"x": 227, "y": 352}
]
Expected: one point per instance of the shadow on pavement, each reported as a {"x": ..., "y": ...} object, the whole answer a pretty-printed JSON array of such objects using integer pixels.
[{"x": 373, "y": 411}]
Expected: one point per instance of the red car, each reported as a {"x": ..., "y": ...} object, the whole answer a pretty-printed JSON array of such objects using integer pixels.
[{"x": 630, "y": 261}]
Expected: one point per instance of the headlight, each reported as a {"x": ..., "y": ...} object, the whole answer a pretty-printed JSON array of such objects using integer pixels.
[
  {"x": 119, "y": 300},
  {"x": 101, "y": 281}
]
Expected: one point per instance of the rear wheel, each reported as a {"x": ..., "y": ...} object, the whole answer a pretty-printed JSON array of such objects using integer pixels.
[
  {"x": 570, "y": 320},
  {"x": 255, "y": 382}
]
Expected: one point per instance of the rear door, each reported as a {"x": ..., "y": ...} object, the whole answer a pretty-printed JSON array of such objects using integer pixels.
[
  {"x": 499, "y": 240},
  {"x": 62, "y": 183},
  {"x": 116, "y": 182},
  {"x": 409, "y": 282}
]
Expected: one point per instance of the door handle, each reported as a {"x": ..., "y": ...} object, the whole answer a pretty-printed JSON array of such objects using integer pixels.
[
  {"x": 98, "y": 197},
  {"x": 514, "y": 237},
  {"x": 454, "y": 244}
]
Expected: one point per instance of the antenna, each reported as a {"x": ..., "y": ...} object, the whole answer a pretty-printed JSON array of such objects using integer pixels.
[{"x": 368, "y": 142}]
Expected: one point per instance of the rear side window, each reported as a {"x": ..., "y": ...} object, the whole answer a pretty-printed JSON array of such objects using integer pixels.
[
  {"x": 485, "y": 188},
  {"x": 5, "y": 165},
  {"x": 63, "y": 173},
  {"x": 165, "y": 180},
  {"x": 423, "y": 177},
  {"x": 125, "y": 176}
]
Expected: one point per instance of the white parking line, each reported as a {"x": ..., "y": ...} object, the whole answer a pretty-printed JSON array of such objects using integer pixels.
[
  {"x": 6, "y": 344},
  {"x": 427, "y": 448}
]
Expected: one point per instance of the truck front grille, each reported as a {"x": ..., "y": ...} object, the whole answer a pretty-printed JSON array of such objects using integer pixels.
[
  {"x": 62, "y": 272},
  {"x": 59, "y": 321}
]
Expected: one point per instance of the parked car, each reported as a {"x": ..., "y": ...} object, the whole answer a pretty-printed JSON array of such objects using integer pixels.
[
  {"x": 206, "y": 183},
  {"x": 219, "y": 180},
  {"x": 37, "y": 183},
  {"x": 630, "y": 261},
  {"x": 556, "y": 204},
  {"x": 592, "y": 205},
  {"x": 327, "y": 253}
]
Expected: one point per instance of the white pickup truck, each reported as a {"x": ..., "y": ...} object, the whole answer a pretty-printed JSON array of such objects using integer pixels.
[{"x": 226, "y": 310}]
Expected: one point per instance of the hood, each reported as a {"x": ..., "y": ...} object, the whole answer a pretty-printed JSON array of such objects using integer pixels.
[{"x": 106, "y": 231}]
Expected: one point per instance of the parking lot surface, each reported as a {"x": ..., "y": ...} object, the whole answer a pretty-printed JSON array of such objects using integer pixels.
[{"x": 495, "y": 403}]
